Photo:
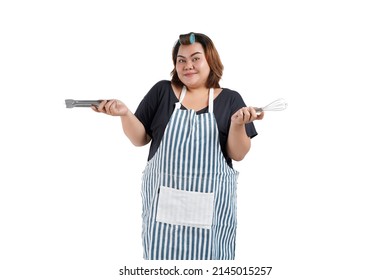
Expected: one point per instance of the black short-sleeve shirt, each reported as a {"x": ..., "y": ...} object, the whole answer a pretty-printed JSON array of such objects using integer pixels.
[{"x": 157, "y": 106}]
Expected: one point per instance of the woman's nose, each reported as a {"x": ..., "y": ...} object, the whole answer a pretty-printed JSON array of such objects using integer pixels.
[{"x": 188, "y": 65}]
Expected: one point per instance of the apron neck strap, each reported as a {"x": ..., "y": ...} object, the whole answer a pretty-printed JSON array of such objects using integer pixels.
[
  {"x": 211, "y": 100},
  {"x": 183, "y": 94}
]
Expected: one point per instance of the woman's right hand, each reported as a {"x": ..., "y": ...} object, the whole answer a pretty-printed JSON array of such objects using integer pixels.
[{"x": 112, "y": 107}]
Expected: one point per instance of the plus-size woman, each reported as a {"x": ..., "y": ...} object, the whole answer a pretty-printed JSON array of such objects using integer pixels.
[{"x": 196, "y": 128}]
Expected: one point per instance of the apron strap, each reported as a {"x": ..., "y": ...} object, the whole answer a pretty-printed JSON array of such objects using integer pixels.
[
  {"x": 211, "y": 100},
  {"x": 183, "y": 94}
]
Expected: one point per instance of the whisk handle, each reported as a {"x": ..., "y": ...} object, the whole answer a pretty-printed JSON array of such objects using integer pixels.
[{"x": 258, "y": 110}]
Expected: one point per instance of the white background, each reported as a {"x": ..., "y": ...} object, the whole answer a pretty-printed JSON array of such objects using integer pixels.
[{"x": 312, "y": 193}]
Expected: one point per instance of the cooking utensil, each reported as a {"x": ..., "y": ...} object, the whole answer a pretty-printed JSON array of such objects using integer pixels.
[
  {"x": 71, "y": 103},
  {"x": 277, "y": 105}
]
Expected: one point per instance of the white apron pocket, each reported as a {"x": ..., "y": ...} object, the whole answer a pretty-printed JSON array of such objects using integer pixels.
[{"x": 185, "y": 208}]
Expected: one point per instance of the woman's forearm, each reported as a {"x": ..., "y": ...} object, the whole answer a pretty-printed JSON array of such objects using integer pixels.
[
  {"x": 131, "y": 125},
  {"x": 238, "y": 144},
  {"x": 134, "y": 129}
]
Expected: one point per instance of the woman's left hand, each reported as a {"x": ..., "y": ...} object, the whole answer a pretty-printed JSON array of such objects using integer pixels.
[{"x": 246, "y": 115}]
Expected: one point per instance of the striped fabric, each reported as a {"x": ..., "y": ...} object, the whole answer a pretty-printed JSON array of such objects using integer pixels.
[{"x": 189, "y": 161}]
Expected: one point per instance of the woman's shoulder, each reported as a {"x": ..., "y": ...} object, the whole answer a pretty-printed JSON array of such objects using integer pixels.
[
  {"x": 160, "y": 89},
  {"x": 230, "y": 98},
  {"x": 229, "y": 94},
  {"x": 163, "y": 84}
]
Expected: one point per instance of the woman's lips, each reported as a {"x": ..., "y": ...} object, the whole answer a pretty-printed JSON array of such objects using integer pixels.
[{"x": 189, "y": 74}]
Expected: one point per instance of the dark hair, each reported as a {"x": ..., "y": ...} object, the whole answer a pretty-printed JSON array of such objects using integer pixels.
[{"x": 211, "y": 54}]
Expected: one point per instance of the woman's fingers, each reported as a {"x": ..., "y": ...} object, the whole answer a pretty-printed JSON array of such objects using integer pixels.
[
  {"x": 253, "y": 115},
  {"x": 260, "y": 116},
  {"x": 246, "y": 115},
  {"x": 110, "y": 107},
  {"x": 106, "y": 106},
  {"x": 100, "y": 108}
]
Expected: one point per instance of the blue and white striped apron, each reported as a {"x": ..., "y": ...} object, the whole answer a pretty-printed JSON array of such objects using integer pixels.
[{"x": 189, "y": 192}]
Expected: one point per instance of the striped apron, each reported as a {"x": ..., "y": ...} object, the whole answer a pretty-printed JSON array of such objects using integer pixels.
[{"x": 189, "y": 192}]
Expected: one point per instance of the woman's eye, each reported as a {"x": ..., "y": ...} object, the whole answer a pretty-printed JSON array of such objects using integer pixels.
[
  {"x": 195, "y": 59},
  {"x": 181, "y": 61}
]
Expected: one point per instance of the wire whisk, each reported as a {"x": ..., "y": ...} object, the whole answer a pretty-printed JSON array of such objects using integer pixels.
[{"x": 277, "y": 105}]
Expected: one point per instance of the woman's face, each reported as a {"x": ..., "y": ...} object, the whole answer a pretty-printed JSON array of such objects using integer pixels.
[{"x": 191, "y": 65}]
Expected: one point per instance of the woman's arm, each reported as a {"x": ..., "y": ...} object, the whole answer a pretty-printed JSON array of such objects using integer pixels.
[
  {"x": 238, "y": 143},
  {"x": 134, "y": 130},
  {"x": 132, "y": 127}
]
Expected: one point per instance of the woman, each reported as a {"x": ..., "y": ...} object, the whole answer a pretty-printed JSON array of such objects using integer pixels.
[{"x": 196, "y": 129}]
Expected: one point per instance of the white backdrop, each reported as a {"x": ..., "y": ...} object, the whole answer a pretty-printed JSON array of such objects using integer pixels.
[{"x": 312, "y": 200}]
